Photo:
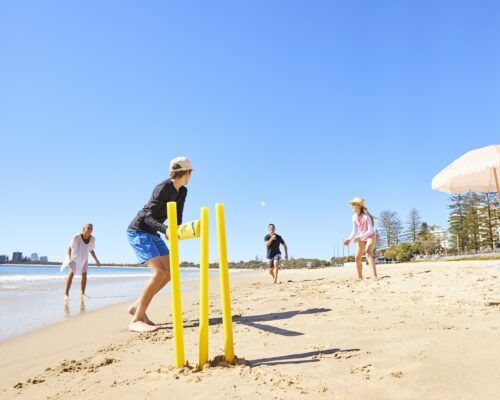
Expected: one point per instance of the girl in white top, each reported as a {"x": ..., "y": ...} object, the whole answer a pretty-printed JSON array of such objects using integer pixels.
[
  {"x": 363, "y": 234},
  {"x": 77, "y": 259}
]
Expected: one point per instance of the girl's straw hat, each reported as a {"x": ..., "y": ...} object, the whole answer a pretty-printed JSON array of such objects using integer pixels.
[{"x": 357, "y": 200}]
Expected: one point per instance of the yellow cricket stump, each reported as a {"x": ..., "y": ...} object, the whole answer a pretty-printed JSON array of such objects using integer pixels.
[
  {"x": 175, "y": 276},
  {"x": 200, "y": 229},
  {"x": 204, "y": 266},
  {"x": 224, "y": 283}
]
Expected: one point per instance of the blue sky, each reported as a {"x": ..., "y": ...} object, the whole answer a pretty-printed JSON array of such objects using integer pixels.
[{"x": 301, "y": 104}]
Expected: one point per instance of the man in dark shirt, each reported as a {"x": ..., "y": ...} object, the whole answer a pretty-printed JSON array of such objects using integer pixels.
[
  {"x": 148, "y": 245},
  {"x": 273, "y": 241}
]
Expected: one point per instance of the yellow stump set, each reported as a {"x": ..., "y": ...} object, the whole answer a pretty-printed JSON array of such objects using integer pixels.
[{"x": 192, "y": 230}]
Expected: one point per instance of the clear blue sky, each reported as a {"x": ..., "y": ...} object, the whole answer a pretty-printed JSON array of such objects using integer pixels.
[{"x": 301, "y": 104}]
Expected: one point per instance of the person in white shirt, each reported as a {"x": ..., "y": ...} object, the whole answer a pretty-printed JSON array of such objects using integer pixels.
[{"x": 77, "y": 259}]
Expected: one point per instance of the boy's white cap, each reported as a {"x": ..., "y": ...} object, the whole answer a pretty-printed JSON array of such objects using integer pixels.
[{"x": 183, "y": 162}]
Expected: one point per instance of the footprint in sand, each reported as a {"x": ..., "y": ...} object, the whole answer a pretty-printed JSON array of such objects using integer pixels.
[{"x": 364, "y": 371}]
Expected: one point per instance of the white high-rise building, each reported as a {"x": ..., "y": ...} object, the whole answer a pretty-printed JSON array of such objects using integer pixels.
[
  {"x": 34, "y": 257},
  {"x": 441, "y": 236}
]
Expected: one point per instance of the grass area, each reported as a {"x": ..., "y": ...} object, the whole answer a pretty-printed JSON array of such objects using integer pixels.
[
  {"x": 475, "y": 258},
  {"x": 465, "y": 258}
]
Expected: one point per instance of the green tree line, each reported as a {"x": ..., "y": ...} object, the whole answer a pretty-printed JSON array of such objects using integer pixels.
[
  {"x": 292, "y": 263},
  {"x": 473, "y": 225}
]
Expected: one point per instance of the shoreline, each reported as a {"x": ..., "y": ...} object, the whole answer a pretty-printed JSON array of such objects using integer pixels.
[
  {"x": 68, "y": 344},
  {"x": 116, "y": 327},
  {"x": 38, "y": 299},
  {"x": 421, "y": 331}
]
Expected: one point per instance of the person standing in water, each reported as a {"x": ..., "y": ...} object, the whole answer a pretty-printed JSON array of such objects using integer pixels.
[
  {"x": 77, "y": 259},
  {"x": 363, "y": 233}
]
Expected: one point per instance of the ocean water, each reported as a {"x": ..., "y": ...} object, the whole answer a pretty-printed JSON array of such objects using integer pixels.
[{"x": 32, "y": 297}]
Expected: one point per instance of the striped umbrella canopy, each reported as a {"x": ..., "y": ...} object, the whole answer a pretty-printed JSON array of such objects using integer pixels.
[{"x": 476, "y": 171}]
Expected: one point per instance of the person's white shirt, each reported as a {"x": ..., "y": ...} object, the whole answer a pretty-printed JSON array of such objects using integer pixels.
[{"x": 79, "y": 254}]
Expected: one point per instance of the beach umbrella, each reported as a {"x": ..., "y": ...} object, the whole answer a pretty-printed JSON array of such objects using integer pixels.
[{"x": 476, "y": 171}]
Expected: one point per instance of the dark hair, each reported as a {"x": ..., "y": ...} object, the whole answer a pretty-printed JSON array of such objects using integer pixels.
[
  {"x": 364, "y": 210},
  {"x": 272, "y": 226},
  {"x": 177, "y": 174}
]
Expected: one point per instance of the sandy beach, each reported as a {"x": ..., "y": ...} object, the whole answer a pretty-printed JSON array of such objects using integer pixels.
[{"x": 423, "y": 331}]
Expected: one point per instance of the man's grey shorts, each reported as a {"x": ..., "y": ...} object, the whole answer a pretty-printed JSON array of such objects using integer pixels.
[{"x": 270, "y": 261}]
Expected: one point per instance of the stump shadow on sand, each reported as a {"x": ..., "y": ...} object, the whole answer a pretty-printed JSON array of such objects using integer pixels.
[
  {"x": 300, "y": 358},
  {"x": 255, "y": 321}
]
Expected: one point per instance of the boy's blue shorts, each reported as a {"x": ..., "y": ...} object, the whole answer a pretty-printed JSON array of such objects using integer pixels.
[{"x": 146, "y": 245}]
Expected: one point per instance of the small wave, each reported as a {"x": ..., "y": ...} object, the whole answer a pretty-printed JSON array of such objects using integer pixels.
[
  {"x": 41, "y": 278},
  {"x": 7, "y": 287}
]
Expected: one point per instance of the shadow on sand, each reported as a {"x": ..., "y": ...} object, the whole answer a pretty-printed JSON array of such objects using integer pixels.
[
  {"x": 299, "y": 358},
  {"x": 253, "y": 321}
]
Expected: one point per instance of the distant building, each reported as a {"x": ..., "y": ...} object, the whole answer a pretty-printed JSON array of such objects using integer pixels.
[
  {"x": 4, "y": 258},
  {"x": 442, "y": 236},
  {"x": 487, "y": 236},
  {"x": 17, "y": 256},
  {"x": 44, "y": 259},
  {"x": 380, "y": 252},
  {"x": 34, "y": 257}
]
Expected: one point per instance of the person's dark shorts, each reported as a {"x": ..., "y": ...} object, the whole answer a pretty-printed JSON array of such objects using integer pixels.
[
  {"x": 270, "y": 261},
  {"x": 146, "y": 245}
]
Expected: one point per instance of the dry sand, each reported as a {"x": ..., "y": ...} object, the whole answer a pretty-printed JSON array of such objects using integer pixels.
[{"x": 424, "y": 331}]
